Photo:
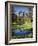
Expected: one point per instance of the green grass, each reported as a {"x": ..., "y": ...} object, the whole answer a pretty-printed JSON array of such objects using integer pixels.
[
  {"x": 23, "y": 26},
  {"x": 27, "y": 24}
]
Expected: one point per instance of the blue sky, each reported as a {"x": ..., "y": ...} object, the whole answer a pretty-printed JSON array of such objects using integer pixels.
[{"x": 21, "y": 8}]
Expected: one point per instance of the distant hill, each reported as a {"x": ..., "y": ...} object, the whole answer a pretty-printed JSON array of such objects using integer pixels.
[{"x": 21, "y": 17}]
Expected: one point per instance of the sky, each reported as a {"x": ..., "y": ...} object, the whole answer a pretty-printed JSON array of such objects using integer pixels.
[{"x": 22, "y": 8}]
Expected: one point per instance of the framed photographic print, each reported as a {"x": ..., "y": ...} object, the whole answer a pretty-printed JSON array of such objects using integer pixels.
[{"x": 20, "y": 22}]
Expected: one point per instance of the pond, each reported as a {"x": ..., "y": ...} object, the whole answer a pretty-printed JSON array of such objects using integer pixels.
[{"x": 21, "y": 32}]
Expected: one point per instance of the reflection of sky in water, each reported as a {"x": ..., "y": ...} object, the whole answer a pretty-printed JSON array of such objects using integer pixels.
[{"x": 22, "y": 9}]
